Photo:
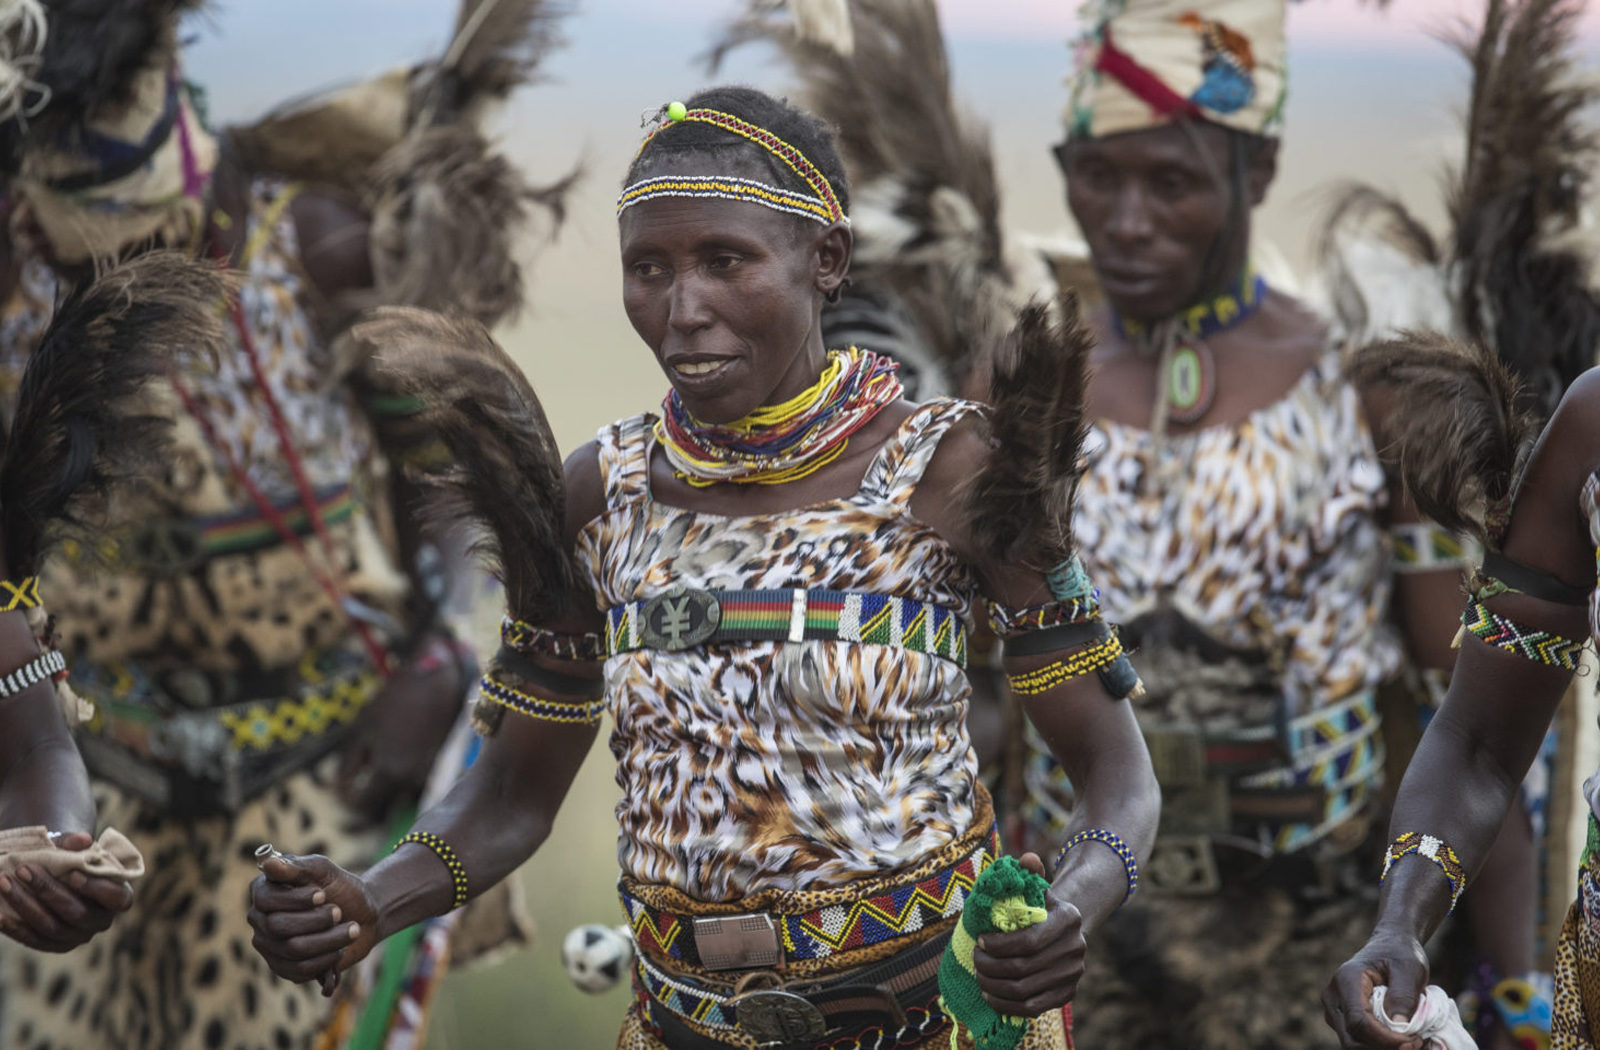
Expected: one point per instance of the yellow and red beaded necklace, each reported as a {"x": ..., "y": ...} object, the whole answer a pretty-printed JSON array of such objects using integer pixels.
[{"x": 784, "y": 442}]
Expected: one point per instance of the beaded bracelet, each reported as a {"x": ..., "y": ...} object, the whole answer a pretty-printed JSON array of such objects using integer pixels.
[
  {"x": 458, "y": 871},
  {"x": 1090, "y": 658},
  {"x": 45, "y": 665},
  {"x": 1436, "y": 850},
  {"x": 1130, "y": 863}
]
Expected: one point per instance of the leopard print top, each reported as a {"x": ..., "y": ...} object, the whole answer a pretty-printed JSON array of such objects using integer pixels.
[
  {"x": 771, "y": 764},
  {"x": 1590, "y": 504},
  {"x": 242, "y": 611},
  {"x": 1263, "y": 535}
]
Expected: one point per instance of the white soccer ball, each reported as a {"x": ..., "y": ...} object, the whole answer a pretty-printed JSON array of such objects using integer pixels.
[{"x": 597, "y": 957}]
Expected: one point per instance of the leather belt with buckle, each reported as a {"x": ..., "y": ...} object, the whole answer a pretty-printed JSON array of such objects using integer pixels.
[{"x": 796, "y": 1015}]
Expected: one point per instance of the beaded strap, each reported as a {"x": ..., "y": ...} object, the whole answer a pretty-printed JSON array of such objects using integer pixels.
[
  {"x": 45, "y": 665},
  {"x": 1085, "y": 660},
  {"x": 19, "y": 594},
  {"x": 458, "y": 871},
  {"x": 537, "y": 641},
  {"x": 1436, "y": 850},
  {"x": 1541, "y": 647},
  {"x": 1124, "y": 852},
  {"x": 566, "y": 712}
]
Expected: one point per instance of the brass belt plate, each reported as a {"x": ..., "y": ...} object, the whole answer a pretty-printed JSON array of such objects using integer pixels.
[
  {"x": 738, "y": 942},
  {"x": 779, "y": 1020}
]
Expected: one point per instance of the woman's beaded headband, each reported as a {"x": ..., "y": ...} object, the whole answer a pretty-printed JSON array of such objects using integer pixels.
[{"x": 823, "y": 207}]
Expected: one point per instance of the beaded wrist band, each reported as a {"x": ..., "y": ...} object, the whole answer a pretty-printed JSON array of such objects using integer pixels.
[
  {"x": 1541, "y": 647},
  {"x": 1434, "y": 849},
  {"x": 1090, "y": 658},
  {"x": 45, "y": 665},
  {"x": 458, "y": 871},
  {"x": 19, "y": 594},
  {"x": 1130, "y": 863}
]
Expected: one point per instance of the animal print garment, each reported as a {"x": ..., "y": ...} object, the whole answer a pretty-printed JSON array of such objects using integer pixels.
[
  {"x": 177, "y": 971},
  {"x": 799, "y": 765},
  {"x": 1577, "y": 998},
  {"x": 1256, "y": 548},
  {"x": 252, "y": 610}
]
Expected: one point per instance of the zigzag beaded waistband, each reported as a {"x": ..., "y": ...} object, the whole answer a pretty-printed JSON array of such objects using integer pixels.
[
  {"x": 685, "y": 617},
  {"x": 822, "y": 924}
]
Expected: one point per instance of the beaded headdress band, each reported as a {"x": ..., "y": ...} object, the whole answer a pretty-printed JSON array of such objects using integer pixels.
[{"x": 822, "y": 205}]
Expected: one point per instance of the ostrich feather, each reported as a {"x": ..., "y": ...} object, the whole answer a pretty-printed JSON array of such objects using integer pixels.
[
  {"x": 1457, "y": 431},
  {"x": 927, "y": 197},
  {"x": 506, "y": 471},
  {"x": 83, "y": 428},
  {"x": 1020, "y": 505},
  {"x": 496, "y": 47}
]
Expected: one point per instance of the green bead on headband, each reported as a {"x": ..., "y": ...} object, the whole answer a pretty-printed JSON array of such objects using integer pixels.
[{"x": 823, "y": 207}]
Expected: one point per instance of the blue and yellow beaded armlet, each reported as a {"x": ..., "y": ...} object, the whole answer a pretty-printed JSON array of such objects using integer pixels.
[{"x": 518, "y": 683}]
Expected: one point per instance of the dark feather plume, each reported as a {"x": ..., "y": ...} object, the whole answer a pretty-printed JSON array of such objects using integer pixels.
[
  {"x": 926, "y": 195},
  {"x": 82, "y": 428},
  {"x": 496, "y": 47},
  {"x": 505, "y": 474},
  {"x": 1457, "y": 429},
  {"x": 1516, "y": 275},
  {"x": 1020, "y": 505},
  {"x": 1530, "y": 154},
  {"x": 446, "y": 216}
]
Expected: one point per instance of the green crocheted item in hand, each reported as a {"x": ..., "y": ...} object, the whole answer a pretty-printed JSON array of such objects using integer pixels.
[{"x": 1006, "y": 897}]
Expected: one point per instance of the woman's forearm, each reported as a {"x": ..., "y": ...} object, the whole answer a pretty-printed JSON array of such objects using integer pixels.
[
  {"x": 1120, "y": 795},
  {"x": 494, "y": 818}
]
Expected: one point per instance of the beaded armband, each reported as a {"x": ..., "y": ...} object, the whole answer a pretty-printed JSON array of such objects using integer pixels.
[
  {"x": 1124, "y": 852},
  {"x": 537, "y": 641},
  {"x": 19, "y": 594},
  {"x": 1434, "y": 849},
  {"x": 1005, "y": 620},
  {"x": 1084, "y": 661},
  {"x": 441, "y": 848},
  {"x": 47, "y": 664},
  {"x": 567, "y": 712},
  {"x": 1541, "y": 647}
]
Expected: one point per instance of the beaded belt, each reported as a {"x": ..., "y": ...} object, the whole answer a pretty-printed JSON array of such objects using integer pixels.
[
  {"x": 173, "y": 546},
  {"x": 202, "y": 743},
  {"x": 683, "y": 618},
  {"x": 821, "y": 932}
]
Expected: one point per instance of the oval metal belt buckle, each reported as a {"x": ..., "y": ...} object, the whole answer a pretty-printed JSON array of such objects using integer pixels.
[
  {"x": 681, "y": 618},
  {"x": 776, "y": 1019}
]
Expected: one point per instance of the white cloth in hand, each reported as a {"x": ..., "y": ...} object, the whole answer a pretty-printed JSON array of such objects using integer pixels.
[{"x": 1436, "y": 1020}]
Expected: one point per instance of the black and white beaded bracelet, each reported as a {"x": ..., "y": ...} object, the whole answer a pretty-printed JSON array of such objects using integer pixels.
[{"x": 43, "y": 666}]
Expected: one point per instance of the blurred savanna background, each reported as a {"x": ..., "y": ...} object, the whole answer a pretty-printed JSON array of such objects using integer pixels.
[{"x": 1375, "y": 95}]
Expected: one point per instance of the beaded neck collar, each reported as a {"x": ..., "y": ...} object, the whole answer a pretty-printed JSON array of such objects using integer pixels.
[{"x": 1229, "y": 309}]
